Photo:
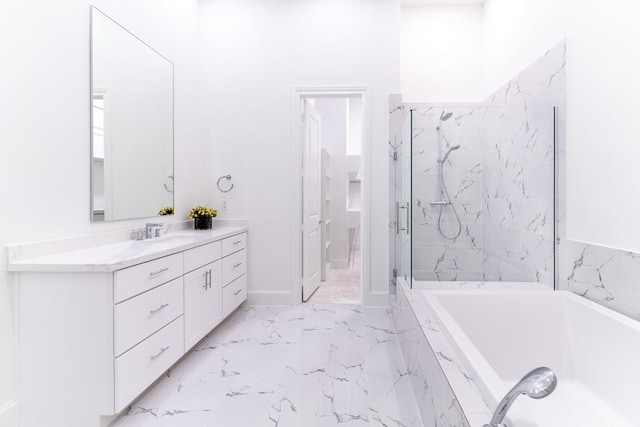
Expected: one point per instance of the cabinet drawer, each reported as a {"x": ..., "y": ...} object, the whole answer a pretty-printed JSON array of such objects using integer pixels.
[
  {"x": 234, "y": 244},
  {"x": 234, "y": 266},
  {"x": 233, "y": 295},
  {"x": 139, "y": 278},
  {"x": 197, "y": 257},
  {"x": 141, "y": 316},
  {"x": 143, "y": 364}
]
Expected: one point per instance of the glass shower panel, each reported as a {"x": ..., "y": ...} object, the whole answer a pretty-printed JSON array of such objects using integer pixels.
[
  {"x": 399, "y": 194},
  {"x": 482, "y": 192},
  {"x": 401, "y": 181},
  {"x": 447, "y": 194},
  {"x": 519, "y": 202}
]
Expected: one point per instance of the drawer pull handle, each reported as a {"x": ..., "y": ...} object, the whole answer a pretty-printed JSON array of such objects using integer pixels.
[
  {"x": 158, "y": 354},
  {"x": 237, "y": 292},
  {"x": 238, "y": 242},
  {"x": 163, "y": 306},
  {"x": 237, "y": 265},
  {"x": 162, "y": 270}
]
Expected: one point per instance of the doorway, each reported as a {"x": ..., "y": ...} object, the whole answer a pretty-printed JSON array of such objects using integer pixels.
[{"x": 333, "y": 208}]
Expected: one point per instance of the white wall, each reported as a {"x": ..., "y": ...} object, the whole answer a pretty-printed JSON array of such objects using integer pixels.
[
  {"x": 333, "y": 112},
  {"x": 442, "y": 53},
  {"x": 603, "y": 205},
  {"x": 45, "y": 130},
  {"x": 255, "y": 53}
]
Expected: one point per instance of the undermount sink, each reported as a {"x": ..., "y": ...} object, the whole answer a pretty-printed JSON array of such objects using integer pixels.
[{"x": 173, "y": 238}]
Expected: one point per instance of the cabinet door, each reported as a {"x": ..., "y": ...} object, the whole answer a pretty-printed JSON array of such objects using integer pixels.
[
  {"x": 202, "y": 302},
  {"x": 213, "y": 297}
]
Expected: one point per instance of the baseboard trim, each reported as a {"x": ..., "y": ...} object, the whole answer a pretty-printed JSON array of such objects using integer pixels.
[
  {"x": 376, "y": 299},
  {"x": 272, "y": 298},
  {"x": 287, "y": 298},
  {"x": 9, "y": 413}
]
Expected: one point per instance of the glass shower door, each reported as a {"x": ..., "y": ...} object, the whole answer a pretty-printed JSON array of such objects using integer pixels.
[{"x": 402, "y": 202}]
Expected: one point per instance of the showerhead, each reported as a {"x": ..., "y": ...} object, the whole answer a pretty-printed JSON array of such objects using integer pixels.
[
  {"x": 445, "y": 116},
  {"x": 536, "y": 384},
  {"x": 446, "y": 155}
]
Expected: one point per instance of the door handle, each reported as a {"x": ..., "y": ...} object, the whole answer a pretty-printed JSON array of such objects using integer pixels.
[
  {"x": 398, "y": 228},
  {"x": 408, "y": 218}
]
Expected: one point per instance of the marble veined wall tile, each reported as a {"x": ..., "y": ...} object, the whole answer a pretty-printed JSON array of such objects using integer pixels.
[
  {"x": 434, "y": 254},
  {"x": 436, "y": 400},
  {"x": 542, "y": 84},
  {"x": 446, "y": 393},
  {"x": 518, "y": 211},
  {"x": 608, "y": 276}
]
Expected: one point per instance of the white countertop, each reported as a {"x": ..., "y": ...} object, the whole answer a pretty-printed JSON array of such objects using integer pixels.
[{"x": 116, "y": 256}]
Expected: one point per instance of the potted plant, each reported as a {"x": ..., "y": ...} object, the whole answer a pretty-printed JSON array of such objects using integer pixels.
[
  {"x": 167, "y": 210},
  {"x": 202, "y": 217}
]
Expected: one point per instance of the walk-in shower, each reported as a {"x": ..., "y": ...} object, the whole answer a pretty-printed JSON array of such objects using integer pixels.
[{"x": 474, "y": 191}]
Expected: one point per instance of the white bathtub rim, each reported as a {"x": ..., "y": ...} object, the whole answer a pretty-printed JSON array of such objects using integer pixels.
[{"x": 466, "y": 350}]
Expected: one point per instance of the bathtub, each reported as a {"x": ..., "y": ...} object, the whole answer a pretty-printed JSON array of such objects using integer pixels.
[{"x": 501, "y": 335}]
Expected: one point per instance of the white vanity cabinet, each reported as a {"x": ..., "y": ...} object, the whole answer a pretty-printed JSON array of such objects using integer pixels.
[{"x": 95, "y": 334}]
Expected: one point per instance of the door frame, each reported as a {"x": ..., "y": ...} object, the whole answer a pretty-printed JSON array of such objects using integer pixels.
[{"x": 298, "y": 96}]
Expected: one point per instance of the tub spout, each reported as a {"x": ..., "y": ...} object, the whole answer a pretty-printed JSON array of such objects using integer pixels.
[{"x": 536, "y": 384}]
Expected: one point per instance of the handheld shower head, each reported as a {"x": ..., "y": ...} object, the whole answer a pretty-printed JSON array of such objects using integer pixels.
[
  {"x": 445, "y": 116},
  {"x": 444, "y": 158},
  {"x": 536, "y": 384}
]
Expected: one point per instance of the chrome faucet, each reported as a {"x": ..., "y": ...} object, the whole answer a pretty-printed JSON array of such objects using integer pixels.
[
  {"x": 536, "y": 384},
  {"x": 149, "y": 227}
]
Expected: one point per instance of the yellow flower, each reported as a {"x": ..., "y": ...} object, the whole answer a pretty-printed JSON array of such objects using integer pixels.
[
  {"x": 202, "y": 211},
  {"x": 167, "y": 210}
]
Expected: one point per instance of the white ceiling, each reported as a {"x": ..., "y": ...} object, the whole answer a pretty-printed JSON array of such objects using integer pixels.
[{"x": 442, "y": 2}]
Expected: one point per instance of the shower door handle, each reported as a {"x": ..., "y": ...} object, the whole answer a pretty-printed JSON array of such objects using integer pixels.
[
  {"x": 398, "y": 228},
  {"x": 408, "y": 218}
]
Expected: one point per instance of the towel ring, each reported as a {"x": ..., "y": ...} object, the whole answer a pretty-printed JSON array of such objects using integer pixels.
[
  {"x": 228, "y": 178},
  {"x": 170, "y": 190}
]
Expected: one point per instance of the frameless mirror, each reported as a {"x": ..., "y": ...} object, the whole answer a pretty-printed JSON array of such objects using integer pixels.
[{"x": 132, "y": 124}]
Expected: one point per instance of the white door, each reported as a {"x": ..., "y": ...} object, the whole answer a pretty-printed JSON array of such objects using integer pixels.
[{"x": 310, "y": 201}]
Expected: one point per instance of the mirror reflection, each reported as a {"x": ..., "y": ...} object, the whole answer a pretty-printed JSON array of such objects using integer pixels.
[{"x": 132, "y": 124}]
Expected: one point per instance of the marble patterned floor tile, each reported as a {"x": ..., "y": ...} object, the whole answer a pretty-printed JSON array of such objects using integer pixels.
[{"x": 313, "y": 365}]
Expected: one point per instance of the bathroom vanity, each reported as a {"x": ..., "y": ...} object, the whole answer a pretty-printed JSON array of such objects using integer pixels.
[{"x": 101, "y": 324}]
